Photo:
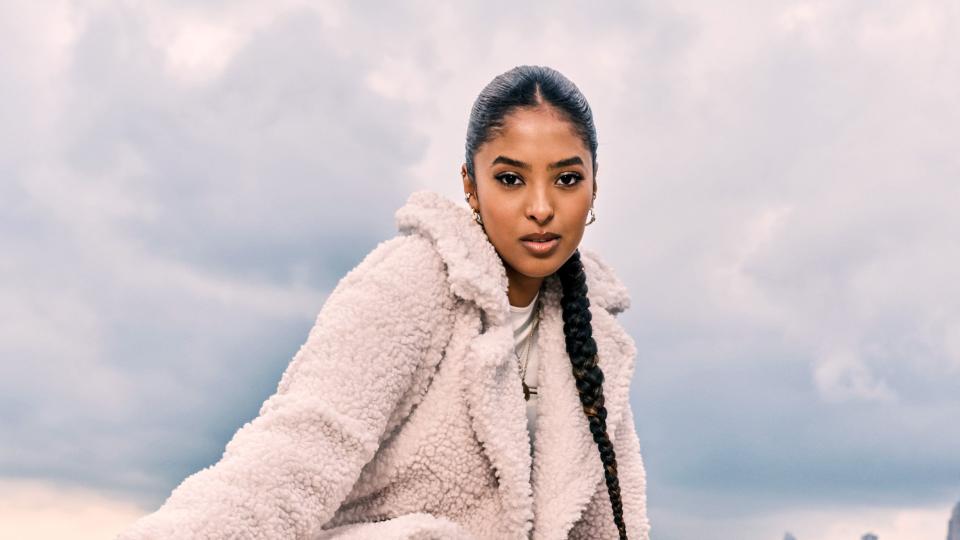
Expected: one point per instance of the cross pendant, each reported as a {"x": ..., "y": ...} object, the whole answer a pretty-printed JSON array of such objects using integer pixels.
[{"x": 527, "y": 391}]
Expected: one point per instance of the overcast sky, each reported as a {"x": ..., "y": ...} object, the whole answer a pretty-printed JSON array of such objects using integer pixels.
[{"x": 182, "y": 183}]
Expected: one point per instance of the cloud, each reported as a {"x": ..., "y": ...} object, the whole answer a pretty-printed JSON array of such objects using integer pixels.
[
  {"x": 173, "y": 236},
  {"x": 184, "y": 182},
  {"x": 841, "y": 375},
  {"x": 906, "y": 523}
]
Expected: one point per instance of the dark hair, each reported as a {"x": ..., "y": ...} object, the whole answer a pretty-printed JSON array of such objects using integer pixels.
[
  {"x": 527, "y": 87},
  {"x": 533, "y": 86}
]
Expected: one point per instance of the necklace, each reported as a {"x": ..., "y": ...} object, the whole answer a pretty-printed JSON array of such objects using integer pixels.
[{"x": 522, "y": 363}]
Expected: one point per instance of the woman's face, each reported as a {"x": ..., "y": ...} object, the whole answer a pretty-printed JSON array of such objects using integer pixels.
[{"x": 535, "y": 176}]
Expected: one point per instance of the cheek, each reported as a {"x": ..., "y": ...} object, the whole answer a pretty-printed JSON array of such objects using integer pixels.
[
  {"x": 573, "y": 239},
  {"x": 502, "y": 233}
]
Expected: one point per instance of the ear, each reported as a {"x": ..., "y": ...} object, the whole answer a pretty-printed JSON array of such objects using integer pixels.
[
  {"x": 595, "y": 169},
  {"x": 468, "y": 186}
]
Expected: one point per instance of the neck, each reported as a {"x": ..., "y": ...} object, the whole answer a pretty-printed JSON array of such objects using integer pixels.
[{"x": 521, "y": 289}]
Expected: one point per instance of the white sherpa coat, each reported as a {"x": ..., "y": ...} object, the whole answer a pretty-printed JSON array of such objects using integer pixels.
[{"x": 402, "y": 416}]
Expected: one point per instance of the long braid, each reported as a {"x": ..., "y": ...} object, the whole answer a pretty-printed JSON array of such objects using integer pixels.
[{"x": 589, "y": 377}]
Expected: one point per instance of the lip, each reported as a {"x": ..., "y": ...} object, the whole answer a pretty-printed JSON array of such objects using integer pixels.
[
  {"x": 540, "y": 236},
  {"x": 541, "y": 248}
]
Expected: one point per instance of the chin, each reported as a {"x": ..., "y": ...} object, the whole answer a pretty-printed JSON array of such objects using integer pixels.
[{"x": 538, "y": 268}]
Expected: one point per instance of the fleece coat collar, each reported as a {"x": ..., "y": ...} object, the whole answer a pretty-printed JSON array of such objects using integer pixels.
[{"x": 549, "y": 491}]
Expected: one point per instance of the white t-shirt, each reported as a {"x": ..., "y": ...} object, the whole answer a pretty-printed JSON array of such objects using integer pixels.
[{"x": 523, "y": 319}]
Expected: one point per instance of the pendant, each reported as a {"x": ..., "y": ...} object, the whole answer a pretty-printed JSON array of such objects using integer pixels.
[{"x": 527, "y": 391}]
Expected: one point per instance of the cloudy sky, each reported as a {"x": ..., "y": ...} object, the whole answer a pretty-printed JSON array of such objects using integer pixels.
[{"x": 182, "y": 183}]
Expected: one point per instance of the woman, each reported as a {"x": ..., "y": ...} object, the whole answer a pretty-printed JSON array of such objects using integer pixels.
[{"x": 468, "y": 379}]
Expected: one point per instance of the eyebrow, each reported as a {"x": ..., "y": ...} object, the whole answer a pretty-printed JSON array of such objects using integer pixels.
[{"x": 575, "y": 160}]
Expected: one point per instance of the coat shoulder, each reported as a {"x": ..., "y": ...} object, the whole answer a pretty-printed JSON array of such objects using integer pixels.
[
  {"x": 406, "y": 264},
  {"x": 605, "y": 288},
  {"x": 404, "y": 276}
]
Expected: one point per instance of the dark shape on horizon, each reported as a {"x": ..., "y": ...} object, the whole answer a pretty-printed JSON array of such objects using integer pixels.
[
  {"x": 869, "y": 536},
  {"x": 953, "y": 526},
  {"x": 789, "y": 536}
]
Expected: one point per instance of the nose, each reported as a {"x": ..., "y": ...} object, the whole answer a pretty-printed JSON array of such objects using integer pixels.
[{"x": 540, "y": 206}]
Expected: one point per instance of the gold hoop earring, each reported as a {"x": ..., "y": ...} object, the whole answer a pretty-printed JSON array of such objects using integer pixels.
[
  {"x": 476, "y": 214},
  {"x": 593, "y": 216}
]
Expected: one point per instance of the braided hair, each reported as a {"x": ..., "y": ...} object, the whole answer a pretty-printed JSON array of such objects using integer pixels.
[
  {"x": 583, "y": 356},
  {"x": 533, "y": 86}
]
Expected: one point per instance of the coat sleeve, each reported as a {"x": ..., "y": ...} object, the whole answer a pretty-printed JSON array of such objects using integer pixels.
[
  {"x": 597, "y": 520},
  {"x": 285, "y": 473}
]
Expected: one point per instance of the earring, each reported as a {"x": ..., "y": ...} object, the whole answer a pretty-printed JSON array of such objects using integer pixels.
[
  {"x": 593, "y": 216},
  {"x": 476, "y": 215}
]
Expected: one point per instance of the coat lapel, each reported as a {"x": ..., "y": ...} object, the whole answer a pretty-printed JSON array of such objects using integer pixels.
[
  {"x": 566, "y": 467},
  {"x": 491, "y": 384}
]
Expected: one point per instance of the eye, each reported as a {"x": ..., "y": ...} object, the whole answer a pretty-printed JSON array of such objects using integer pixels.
[
  {"x": 507, "y": 176},
  {"x": 572, "y": 177}
]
